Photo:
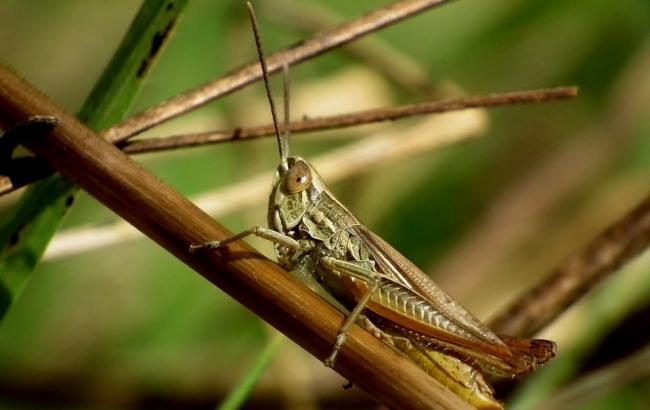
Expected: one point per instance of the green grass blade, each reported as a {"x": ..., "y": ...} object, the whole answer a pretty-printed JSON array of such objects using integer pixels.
[
  {"x": 117, "y": 88},
  {"x": 240, "y": 393},
  {"x": 41, "y": 210}
]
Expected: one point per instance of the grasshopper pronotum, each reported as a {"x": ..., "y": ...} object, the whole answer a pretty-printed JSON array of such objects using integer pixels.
[{"x": 314, "y": 234}]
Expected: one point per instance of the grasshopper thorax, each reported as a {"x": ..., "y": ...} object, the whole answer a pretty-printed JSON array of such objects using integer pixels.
[{"x": 295, "y": 189}]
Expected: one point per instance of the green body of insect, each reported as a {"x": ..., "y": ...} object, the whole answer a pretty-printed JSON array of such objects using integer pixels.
[
  {"x": 315, "y": 235},
  {"x": 405, "y": 307}
]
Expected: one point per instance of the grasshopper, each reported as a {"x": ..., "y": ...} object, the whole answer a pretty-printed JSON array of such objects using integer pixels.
[{"x": 315, "y": 235}]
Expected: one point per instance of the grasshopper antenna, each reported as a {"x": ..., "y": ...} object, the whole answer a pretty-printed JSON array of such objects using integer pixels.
[
  {"x": 287, "y": 111},
  {"x": 282, "y": 142}
]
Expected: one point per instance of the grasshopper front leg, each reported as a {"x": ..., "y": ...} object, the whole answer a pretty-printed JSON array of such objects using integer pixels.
[{"x": 259, "y": 231}]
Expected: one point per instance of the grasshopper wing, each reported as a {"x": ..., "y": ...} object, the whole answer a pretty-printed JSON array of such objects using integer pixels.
[{"x": 423, "y": 306}]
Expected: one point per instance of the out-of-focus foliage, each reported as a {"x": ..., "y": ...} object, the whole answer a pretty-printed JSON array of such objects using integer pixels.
[
  {"x": 43, "y": 207},
  {"x": 127, "y": 324}
]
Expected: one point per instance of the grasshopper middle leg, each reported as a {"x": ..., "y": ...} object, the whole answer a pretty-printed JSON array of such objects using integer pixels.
[{"x": 350, "y": 269}]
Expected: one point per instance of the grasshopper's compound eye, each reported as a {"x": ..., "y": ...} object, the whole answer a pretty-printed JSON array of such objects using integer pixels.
[{"x": 298, "y": 178}]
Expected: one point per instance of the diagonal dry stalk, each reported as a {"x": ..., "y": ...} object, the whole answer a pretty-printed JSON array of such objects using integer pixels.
[
  {"x": 313, "y": 124},
  {"x": 175, "y": 223},
  {"x": 389, "y": 61},
  {"x": 619, "y": 243}
]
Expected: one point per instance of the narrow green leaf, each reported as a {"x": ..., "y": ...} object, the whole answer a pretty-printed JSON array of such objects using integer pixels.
[
  {"x": 117, "y": 88},
  {"x": 41, "y": 210},
  {"x": 240, "y": 393}
]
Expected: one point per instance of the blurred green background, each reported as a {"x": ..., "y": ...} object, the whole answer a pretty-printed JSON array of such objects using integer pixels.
[{"x": 124, "y": 324}]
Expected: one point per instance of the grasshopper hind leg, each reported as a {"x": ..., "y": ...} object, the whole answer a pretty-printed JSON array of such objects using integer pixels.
[{"x": 402, "y": 343}]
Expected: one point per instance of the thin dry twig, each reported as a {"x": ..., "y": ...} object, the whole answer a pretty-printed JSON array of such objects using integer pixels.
[
  {"x": 391, "y": 62},
  {"x": 353, "y": 119},
  {"x": 17, "y": 177},
  {"x": 251, "y": 72},
  {"x": 175, "y": 223},
  {"x": 618, "y": 244}
]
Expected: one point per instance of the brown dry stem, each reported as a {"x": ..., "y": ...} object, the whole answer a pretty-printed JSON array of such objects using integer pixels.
[
  {"x": 174, "y": 223},
  {"x": 392, "y": 63},
  {"x": 354, "y": 118}
]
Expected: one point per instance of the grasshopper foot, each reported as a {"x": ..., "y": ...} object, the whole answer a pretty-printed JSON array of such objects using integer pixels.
[
  {"x": 340, "y": 339},
  {"x": 207, "y": 245},
  {"x": 329, "y": 362}
]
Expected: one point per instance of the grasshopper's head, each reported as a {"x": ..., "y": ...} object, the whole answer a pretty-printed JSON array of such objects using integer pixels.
[{"x": 296, "y": 186}]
